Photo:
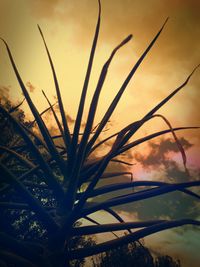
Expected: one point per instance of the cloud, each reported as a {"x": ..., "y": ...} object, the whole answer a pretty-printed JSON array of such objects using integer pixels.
[
  {"x": 159, "y": 159},
  {"x": 159, "y": 153},
  {"x": 4, "y": 93},
  {"x": 136, "y": 17},
  {"x": 30, "y": 86},
  {"x": 70, "y": 119},
  {"x": 163, "y": 161}
]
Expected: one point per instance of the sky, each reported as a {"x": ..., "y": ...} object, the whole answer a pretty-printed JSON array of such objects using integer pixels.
[{"x": 68, "y": 27}]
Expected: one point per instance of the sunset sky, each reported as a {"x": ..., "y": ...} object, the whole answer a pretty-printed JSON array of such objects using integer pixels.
[{"x": 68, "y": 26}]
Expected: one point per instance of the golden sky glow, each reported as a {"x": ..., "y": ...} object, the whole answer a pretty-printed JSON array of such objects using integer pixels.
[{"x": 68, "y": 26}]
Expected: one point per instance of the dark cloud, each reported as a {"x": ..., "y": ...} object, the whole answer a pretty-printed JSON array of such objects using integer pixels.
[
  {"x": 159, "y": 153},
  {"x": 173, "y": 172},
  {"x": 162, "y": 163},
  {"x": 159, "y": 160},
  {"x": 174, "y": 205}
]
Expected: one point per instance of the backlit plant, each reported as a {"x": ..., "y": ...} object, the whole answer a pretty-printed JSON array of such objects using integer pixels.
[{"x": 56, "y": 186}]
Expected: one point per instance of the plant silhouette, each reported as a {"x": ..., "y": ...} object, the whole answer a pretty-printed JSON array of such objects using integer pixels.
[{"x": 51, "y": 188}]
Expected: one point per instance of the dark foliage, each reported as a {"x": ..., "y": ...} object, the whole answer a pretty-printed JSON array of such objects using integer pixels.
[{"x": 132, "y": 255}]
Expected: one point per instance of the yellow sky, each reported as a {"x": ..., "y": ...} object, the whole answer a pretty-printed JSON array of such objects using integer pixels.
[{"x": 69, "y": 27}]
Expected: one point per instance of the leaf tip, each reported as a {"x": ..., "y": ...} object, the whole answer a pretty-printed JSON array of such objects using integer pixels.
[
  {"x": 3, "y": 40},
  {"x": 165, "y": 22},
  {"x": 40, "y": 30},
  {"x": 129, "y": 37},
  {"x": 193, "y": 72},
  {"x": 99, "y": 2}
]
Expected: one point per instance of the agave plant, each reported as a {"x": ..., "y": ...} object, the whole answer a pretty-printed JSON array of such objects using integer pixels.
[{"x": 71, "y": 179}]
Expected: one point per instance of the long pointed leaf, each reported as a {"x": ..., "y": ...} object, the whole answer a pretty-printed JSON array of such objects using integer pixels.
[
  {"x": 42, "y": 126},
  {"x": 117, "y": 217},
  {"x": 122, "y": 162},
  {"x": 16, "y": 107},
  {"x": 125, "y": 148},
  {"x": 149, "y": 137},
  {"x": 109, "y": 175},
  {"x": 54, "y": 114},
  {"x": 84, "y": 92},
  {"x": 180, "y": 147},
  {"x": 149, "y": 115},
  {"x": 115, "y": 134},
  {"x": 62, "y": 111},
  {"x": 122, "y": 138},
  {"x": 103, "y": 228},
  {"x": 95, "y": 99},
  {"x": 121, "y": 91},
  {"x": 91, "y": 115},
  {"x": 38, "y": 140},
  {"x": 120, "y": 186},
  {"x": 85, "y": 252},
  {"x": 138, "y": 196},
  {"x": 95, "y": 222},
  {"x": 42, "y": 113}
]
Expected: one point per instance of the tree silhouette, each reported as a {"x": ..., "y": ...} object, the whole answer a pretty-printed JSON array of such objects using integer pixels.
[
  {"x": 69, "y": 175},
  {"x": 134, "y": 255}
]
